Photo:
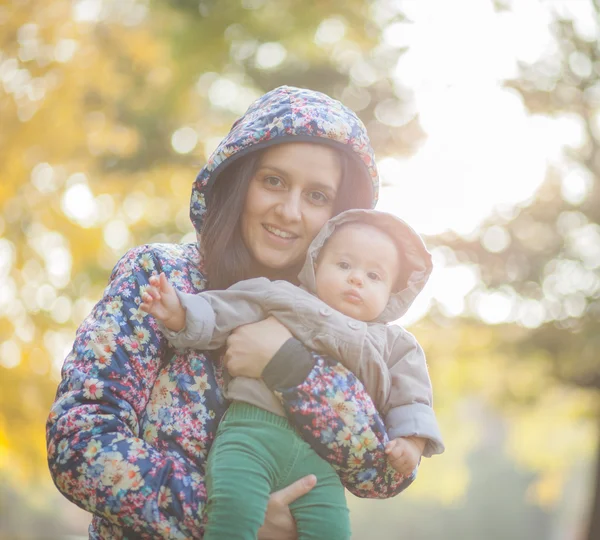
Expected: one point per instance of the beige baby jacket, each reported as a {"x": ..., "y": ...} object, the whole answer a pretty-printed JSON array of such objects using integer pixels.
[{"x": 385, "y": 357}]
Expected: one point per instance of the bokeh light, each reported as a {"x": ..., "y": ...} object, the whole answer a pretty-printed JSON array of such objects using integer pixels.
[{"x": 486, "y": 128}]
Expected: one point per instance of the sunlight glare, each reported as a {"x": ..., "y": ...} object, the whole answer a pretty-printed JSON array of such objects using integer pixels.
[
  {"x": 61, "y": 309},
  {"x": 44, "y": 178},
  {"x": 582, "y": 14},
  {"x": 222, "y": 91},
  {"x": 10, "y": 354},
  {"x": 495, "y": 239},
  {"x": 451, "y": 285},
  {"x": 330, "y": 31},
  {"x": 576, "y": 184},
  {"x": 58, "y": 344},
  {"x": 78, "y": 205},
  {"x": 448, "y": 285},
  {"x": 8, "y": 295},
  {"x": 45, "y": 296},
  {"x": 584, "y": 243},
  {"x": 495, "y": 307},
  {"x": 531, "y": 314},
  {"x": 270, "y": 55},
  {"x": 7, "y": 257},
  {"x": 87, "y": 10},
  {"x": 116, "y": 234},
  {"x": 482, "y": 148},
  {"x": 184, "y": 140},
  {"x": 58, "y": 264}
]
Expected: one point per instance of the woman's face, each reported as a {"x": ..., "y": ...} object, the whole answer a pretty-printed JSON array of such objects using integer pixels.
[{"x": 290, "y": 197}]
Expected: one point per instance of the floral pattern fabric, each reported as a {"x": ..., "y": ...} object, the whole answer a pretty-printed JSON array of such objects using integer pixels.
[
  {"x": 288, "y": 114},
  {"x": 133, "y": 421}
]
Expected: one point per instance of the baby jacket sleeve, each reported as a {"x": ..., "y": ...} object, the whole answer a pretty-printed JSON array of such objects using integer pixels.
[
  {"x": 409, "y": 407},
  {"x": 212, "y": 315},
  {"x": 327, "y": 331}
]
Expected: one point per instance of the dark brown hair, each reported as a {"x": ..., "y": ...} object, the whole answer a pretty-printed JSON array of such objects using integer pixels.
[{"x": 226, "y": 257}]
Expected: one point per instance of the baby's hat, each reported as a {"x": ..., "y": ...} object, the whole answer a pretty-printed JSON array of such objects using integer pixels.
[{"x": 416, "y": 260}]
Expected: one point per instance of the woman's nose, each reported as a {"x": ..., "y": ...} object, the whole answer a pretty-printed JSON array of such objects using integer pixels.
[{"x": 289, "y": 209}]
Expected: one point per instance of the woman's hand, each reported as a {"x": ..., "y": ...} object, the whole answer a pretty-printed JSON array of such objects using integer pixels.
[
  {"x": 279, "y": 523},
  {"x": 251, "y": 347}
]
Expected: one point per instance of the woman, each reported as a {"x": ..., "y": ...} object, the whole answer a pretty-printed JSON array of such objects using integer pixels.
[{"x": 133, "y": 421}]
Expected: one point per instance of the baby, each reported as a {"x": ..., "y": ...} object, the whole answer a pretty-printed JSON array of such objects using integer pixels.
[{"x": 363, "y": 270}]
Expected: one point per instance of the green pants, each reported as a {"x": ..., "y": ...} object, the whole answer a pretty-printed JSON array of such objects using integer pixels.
[{"x": 255, "y": 453}]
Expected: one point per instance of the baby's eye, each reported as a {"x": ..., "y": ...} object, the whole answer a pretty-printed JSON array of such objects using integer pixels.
[
  {"x": 343, "y": 265},
  {"x": 374, "y": 276}
]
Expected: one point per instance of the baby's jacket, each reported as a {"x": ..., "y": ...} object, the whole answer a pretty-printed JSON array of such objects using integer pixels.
[{"x": 385, "y": 357}]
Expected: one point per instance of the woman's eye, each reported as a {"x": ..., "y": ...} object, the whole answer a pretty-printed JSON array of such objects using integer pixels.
[
  {"x": 318, "y": 197},
  {"x": 343, "y": 265},
  {"x": 273, "y": 181},
  {"x": 374, "y": 276}
]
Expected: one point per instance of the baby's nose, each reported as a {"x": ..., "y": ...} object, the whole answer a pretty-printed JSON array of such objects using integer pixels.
[{"x": 355, "y": 279}]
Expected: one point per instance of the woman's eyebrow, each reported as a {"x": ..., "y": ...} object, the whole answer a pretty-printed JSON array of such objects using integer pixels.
[
  {"x": 323, "y": 185},
  {"x": 274, "y": 169},
  {"x": 317, "y": 184}
]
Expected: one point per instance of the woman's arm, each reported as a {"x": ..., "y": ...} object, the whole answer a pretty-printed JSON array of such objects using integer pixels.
[
  {"x": 204, "y": 321},
  {"x": 97, "y": 456},
  {"x": 336, "y": 416},
  {"x": 325, "y": 401}
]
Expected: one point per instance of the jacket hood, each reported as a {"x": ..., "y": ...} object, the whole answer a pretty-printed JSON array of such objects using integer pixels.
[
  {"x": 416, "y": 260},
  {"x": 287, "y": 114}
]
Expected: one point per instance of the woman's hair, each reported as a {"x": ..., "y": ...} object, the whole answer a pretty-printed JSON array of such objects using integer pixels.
[
  {"x": 225, "y": 255},
  {"x": 226, "y": 258},
  {"x": 356, "y": 189}
]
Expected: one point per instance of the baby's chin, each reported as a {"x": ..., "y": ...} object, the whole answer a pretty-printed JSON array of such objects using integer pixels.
[{"x": 354, "y": 312}]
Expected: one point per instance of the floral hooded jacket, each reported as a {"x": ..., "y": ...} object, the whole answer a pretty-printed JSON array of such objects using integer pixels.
[{"x": 133, "y": 420}]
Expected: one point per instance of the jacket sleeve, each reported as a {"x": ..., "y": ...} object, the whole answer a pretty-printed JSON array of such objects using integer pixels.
[
  {"x": 97, "y": 456},
  {"x": 212, "y": 315},
  {"x": 336, "y": 416},
  {"x": 329, "y": 332},
  {"x": 409, "y": 404},
  {"x": 359, "y": 352}
]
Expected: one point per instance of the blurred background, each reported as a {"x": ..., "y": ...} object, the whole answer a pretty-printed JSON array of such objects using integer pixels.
[{"x": 485, "y": 116}]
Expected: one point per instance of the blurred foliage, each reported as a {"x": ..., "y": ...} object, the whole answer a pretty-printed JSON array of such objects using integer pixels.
[
  {"x": 109, "y": 107},
  {"x": 491, "y": 514},
  {"x": 544, "y": 257},
  {"x": 479, "y": 371}
]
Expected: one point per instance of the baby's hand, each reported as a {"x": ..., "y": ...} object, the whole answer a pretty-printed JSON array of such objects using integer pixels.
[
  {"x": 161, "y": 301},
  {"x": 404, "y": 453}
]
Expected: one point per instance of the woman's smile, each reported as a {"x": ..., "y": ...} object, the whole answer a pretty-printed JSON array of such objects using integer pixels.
[{"x": 279, "y": 233}]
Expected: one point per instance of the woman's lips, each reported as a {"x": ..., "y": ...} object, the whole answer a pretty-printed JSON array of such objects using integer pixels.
[{"x": 278, "y": 235}]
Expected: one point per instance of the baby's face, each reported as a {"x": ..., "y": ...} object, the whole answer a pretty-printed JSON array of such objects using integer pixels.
[{"x": 356, "y": 271}]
